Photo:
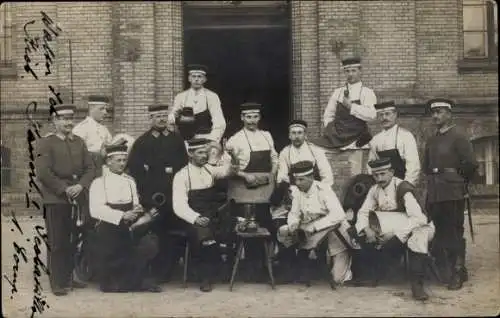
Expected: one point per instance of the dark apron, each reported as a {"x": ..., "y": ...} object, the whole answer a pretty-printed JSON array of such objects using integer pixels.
[
  {"x": 259, "y": 165},
  {"x": 202, "y": 121},
  {"x": 345, "y": 128},
  {"x": 397, "y": 162},
  {"x": 316, "y": 174},
  {"x": 202, "y": 201},
  {"x": 98, "y": 162}
]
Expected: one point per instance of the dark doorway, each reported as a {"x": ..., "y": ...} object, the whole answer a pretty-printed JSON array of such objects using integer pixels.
[{"x": 246, "y": 64}]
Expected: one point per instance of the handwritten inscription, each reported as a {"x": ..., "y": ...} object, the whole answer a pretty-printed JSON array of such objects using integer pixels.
[
  {"x": 39, "y": 300},
  {"x": 19, "y": 251}
]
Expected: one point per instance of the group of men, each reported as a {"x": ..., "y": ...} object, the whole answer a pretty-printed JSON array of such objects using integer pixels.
[{"x": 180, "y": 175}]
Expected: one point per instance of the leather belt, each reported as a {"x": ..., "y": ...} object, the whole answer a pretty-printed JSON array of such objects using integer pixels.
[{"x": 442, "y": 170}]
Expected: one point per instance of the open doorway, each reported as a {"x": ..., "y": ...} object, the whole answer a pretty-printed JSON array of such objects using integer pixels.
[{"x": 246, "y": 64}]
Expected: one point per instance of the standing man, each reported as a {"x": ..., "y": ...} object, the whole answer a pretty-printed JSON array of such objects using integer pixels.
[
  {"x": 390, "y": 217},
  {"x": 200, "y": 103},
  {"x": 396, "y": 143},
  {"x": 65, "y": 171},
  {"x": 349, "y": 109},
  {"x": 449, "y": 164},
  {"x": 122, "y": 259},
  {"x": 92, "y": 131},
  {"x": 156, "y": 156},
  {"x": 315, "y": 211},
  {"x": 301, "y": 150},
  {"x": 194, "y": 201},
  {"x": 255, "y": 180}
]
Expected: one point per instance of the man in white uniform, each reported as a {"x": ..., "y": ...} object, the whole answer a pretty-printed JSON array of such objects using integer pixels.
[
  {"x": 194, "y": 201},
  {"x": 396, "y": 143},
  {"x": 349, "y": 109},
  {"x": 390, "y": 217},
  {"x": 202, "y": 106},
  {"x": 122, "y": 259},
  {"x": 314, "y": 215}
]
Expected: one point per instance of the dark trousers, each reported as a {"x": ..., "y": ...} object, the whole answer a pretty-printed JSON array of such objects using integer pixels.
[{"x": 60, "y": 257}]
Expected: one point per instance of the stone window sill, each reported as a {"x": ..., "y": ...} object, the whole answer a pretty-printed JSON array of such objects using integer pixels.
[{"x": 480, "y": 65}]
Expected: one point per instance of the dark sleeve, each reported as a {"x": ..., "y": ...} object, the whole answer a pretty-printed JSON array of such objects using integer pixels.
[
  {"x": 44, "y": 168},
  {"x": 183, "y": 157},
  {"x": 88, "y": 167},
  {"x": 425, "y": 161},
  {"x": 134, "y": 164},
  {"x": 467, "y": 161}
]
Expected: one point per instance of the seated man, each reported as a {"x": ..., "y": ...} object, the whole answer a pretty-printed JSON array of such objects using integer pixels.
[
  {"x": 389, "y": 217},
  {"x": 194, "y": 201},
  {"x": 122, "y": 258},
  {"x": 316, "y": 214}
]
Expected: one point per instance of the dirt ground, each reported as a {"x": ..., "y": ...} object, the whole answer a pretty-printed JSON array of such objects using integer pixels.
[{"x": 479, "y": 297}]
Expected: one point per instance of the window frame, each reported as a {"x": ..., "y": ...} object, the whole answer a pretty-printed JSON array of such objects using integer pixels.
[
  {"x": 490, "y": 62},
  {"x": 7, "y": 65},
  {"x": 485, "y": 147}
]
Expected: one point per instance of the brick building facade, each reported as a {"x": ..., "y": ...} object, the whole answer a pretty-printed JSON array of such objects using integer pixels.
[{"x": 284, "y": 54}]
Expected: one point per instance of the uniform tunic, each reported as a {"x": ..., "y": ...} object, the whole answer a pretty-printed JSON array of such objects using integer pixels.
[
  {"x": 306, "y": 152},
  {"x": 415, "y": 222},
  {"x": 364, "y": 111},
  {"x": 401, "y": 139},
  {"x": 62, "y": 162},
  {"x": 93, "y": 133},
  {"x": 319, "y": 208},
  {"x": 201, "y": 101},
  {"x": 245, "y": 143}
]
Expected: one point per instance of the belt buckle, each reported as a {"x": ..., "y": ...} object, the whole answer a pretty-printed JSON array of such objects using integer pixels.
[{"x": 435, "y": 170}]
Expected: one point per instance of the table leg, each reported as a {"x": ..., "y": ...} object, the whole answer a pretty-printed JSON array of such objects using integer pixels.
[
  {"x": 269, "y": 263},
  {"x": 236, "y": 263}
]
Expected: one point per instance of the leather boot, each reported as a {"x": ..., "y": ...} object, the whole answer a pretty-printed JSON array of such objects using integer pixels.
[
  {"x": 304, "y": 268},
  {"x": 417, "y": 274},
  {"x": 459, "y": 272}
]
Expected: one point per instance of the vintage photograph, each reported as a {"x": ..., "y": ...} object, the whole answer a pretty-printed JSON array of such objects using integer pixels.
[{"x": 249, "y": 158}]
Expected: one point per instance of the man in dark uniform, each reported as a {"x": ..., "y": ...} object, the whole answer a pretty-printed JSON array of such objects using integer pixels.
[
  {"x": 194, "y": 200},
  {"x": 122, "y": 256},
  {"x": 197, "y": 111},
  {"x": 65, "y": 170},
  {"x": 448, "y": 164},
  {"x": 154, "y": 159},
  {"x": 349, "y": 109}
]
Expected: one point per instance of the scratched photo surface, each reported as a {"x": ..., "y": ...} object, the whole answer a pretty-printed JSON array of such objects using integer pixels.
[{"x": 64, "y": 64}]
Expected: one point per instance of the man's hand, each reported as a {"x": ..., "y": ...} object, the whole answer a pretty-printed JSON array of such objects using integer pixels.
[
  {"x": 130, "y": 216},
  {"x": 346, "y": 102},
  {"x": 74, "y": 190},
  {"x": 371, "y": 237},
  {"x": 250, "y": 178},
  {"x": 202, "y": 221}
]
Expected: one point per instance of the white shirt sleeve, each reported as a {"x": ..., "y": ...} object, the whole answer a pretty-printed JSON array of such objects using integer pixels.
[
  {"x": 274, "y": 153},
  {"x": 415, "y": 215},
  {"x": 222, "y": 171},
  {"x": 283, "y": 169},
  {"x": 331, "y": 107},
  {"x": 218, "y": 121},
  {"x": 176, "y": 106},
  {"x": 366, "y": 111},
  {"x": 332, "y": 203},
  {"x": 293, "y": 219},
  {"x": 97, "y": 204},
  {"x": 180, "y": 198},
  {"x": 324, "y": 167},
  {"x": 372, "y": 154},
  {"x": 80, "y": 130},
  {"x": 412, "y": 158},
  {"x": 369, "y": 204}
]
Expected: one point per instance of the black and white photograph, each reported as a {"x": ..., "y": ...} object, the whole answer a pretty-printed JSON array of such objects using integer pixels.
[{"x": 250, "y": 158}]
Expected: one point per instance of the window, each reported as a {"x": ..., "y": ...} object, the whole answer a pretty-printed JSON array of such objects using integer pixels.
[
  {"x": 5, "y": 164},
  {"x": 487, "y": 157},
  {"x": 7, "y": 67}
]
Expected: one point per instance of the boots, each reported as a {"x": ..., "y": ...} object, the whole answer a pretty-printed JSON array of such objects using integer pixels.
[
  {"x": 304, "y": 268},
  {"x": 417, "y": 272},
  {"x": 459, "y": 272}
]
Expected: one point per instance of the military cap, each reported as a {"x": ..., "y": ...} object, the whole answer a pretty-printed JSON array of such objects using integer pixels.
[
  {"x": 351, "y": 62},
  {"x": 98, "y": 99},
  {"x": 380, "y": 164},
  {"x": 157, "y": 108},
  {"x": 197, "y": 68},
  {"x": 302, "y": 168},
  {"x": 120, "y": 149},
  {"x": 385, "y": 106},
  {"x": 440, "y": 102},
  {"x": 197, "y": 143},
  {"x": 250, "y": 107},
  {"x": 298, "y": 123},
  {"x": 64, "y": 109}
]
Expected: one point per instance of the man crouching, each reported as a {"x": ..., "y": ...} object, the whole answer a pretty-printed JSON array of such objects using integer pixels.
[
  {"x": 316, "y": 214},
  {"x": 390, "y": 217},
  {"x": 122, "y": 258},
  {"x": 195, "y": 201}
]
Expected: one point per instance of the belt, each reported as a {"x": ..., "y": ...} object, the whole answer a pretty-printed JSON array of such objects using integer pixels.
[{"x": 442, "y": 170}]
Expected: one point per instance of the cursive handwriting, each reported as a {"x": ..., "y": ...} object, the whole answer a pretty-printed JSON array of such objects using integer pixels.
[
  {"x": 39, "y": 302},
  {"x": 18, "y": 251}
]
